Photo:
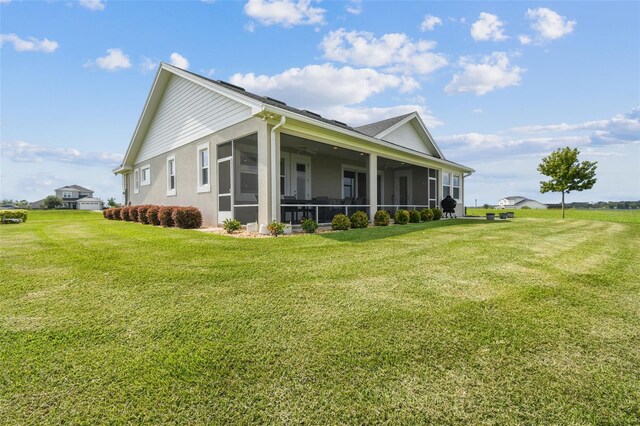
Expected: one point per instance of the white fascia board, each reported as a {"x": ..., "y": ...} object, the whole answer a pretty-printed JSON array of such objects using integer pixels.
[{"x": 365, "y": 138}]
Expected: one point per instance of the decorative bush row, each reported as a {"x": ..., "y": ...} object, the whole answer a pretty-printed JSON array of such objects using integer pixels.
[
  {"x": 13, "y": 216},
  {"x": 182, "y": 217}
]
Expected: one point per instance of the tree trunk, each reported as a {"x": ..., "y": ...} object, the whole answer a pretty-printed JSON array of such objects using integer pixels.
[{"x": 563, "y": 204}]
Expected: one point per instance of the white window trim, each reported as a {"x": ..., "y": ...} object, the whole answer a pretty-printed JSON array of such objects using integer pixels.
[
  {"x": 136, "y": 181},
  {"x": 146, "y": 182},
  {"x": 172, "y": 192},
  {"x": 459, "y": 186},
  {"x": 207, "y": 187}
]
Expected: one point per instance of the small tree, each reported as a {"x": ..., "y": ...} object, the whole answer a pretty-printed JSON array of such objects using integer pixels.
[
  {"x": 566, "y": 172},
  {"x": 111, "y": 202},
  {"x": 51, "y": 202}
]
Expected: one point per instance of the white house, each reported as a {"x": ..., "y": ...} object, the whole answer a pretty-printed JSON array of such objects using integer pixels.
[
  {"x": 72, "y": 194},
  {"x": 518, "y": 202},
  {"x": 235, "y": 154}
]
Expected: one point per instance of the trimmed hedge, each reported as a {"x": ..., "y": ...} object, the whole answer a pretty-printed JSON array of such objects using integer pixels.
[
  {"x": 187, "y": 217},
  {"x": 340, "y": 222},
  {"x": 11, "y": 216},
  {"x": 309, "y": 226},
  {"x": 165, "y": 216},
  {"x": 426, "y": 214},
  {"x": 124, "y": 214},
  {"x": 381, "y": 218},
  {"x": 142, "y": 213},
  {"x": 401, "y": 217},
  {"x": 182, "y": 217},
  {"x": 437, "y": 214},
  {"x": 414, "y": 216},
  {"x": 133, "y": 213},
  {"x": 152, "y": 215},
  {"x": 359, "y": 220}
]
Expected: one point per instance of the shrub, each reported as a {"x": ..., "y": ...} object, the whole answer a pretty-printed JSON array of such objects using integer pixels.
[
  {"x": 152, "y": 215},
  {"x": 437, "y": 214},
  {"x": 165, "y": 216},
  {"x": 359, "y": 220},
  {"x": 231, "y": 225},
  {"x": 142, "y": 214},
  {"x": 107, "y": 214},
  {"x": 13, "y": 216},
  {"x": 401, "y": 217},
  {"x": 124, "y": 214},
  {"x": 526, "y": 208},
  {"x": 115, "y": 215},
  {"x": 414, "y": 216},
  {"x": 340, "y": 222},
  {"x": 309, "y": 226},
  {"x": 276, "y": 228},
  {"x": 187, "y": 217},
  {"x": 426, "y": 214},
  {"x": 133, "y": 213},
  {"x": 381, "y": 218}
]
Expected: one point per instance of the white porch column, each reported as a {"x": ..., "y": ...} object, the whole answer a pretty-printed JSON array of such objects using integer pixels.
[
  {"x": 372, "y": 190},
  {"x": 263, "y": 174}
]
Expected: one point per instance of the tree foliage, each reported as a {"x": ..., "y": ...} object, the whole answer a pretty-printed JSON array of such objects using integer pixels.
[
  {"x": 51, "y": 202},
  {"x": 567, "y": 173}
]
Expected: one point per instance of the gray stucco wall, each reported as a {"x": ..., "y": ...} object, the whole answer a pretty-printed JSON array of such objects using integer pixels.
[{"x": 187, "y": 172}]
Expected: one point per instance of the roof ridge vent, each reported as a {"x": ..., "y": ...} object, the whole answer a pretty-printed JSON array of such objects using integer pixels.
[
  {"x": 233, "y": 86},
  {"x": 315, "y": 114},
  {"x": 341, "y": 123},
  {"x": 275, "y": 100}
]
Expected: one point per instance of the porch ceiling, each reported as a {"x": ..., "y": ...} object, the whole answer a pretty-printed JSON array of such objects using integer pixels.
[{"x": 304, "y": 146}]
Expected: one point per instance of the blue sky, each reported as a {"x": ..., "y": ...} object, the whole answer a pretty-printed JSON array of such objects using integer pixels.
[{"x": 499, "y": 84}]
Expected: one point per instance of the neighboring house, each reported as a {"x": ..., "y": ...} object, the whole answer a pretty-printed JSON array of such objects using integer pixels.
[
  {"x": 89, "y": 203},
  {"x": 235, "y": 154},
  {"x": 71, "y": 194},
  {"x": 518, "y": 202},
  {"x": 37, "y": 204}
]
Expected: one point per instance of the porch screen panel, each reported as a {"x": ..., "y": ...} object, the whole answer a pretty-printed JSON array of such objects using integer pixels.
[
  {"x": 245, "y": 178},
  {"x": 362, "y": 186}
]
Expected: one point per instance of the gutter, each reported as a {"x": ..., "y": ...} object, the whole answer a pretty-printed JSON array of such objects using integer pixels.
[{"x": 274, "y": 174}]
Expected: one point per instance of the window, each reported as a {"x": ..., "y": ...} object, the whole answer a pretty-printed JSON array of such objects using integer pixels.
[
  {"x": 171, "y": 175},
  {"x": 349, "y": 184},
  {"x": 456, "y": 187},
  {"x": 446, "y": 184},
  {"x": 145, "y": 173},
  {"x": 67, "y": 194},
  {"x": 203, "y": 168},
  {"x": 136, "y": 181}
]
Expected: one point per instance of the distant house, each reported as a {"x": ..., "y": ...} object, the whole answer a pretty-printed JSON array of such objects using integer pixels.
[
  {"x": 78, "y": 197},
  {"x": 517, "y": 202},
  {"x": 37, "y": 204}
]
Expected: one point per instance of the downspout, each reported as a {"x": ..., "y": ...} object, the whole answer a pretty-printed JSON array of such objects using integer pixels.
[{"x": 274, "y": 170}]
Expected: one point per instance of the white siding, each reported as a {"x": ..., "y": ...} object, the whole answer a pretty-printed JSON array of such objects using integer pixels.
[
  {"x": 188, "y": 112},
  {"x": 407, "y": 136}
]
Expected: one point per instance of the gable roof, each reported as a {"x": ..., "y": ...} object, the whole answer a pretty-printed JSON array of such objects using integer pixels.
[
  {"x": 374, "y": 129},
  {"x": 75, "y": 188},
  {"x": 257, "y": 104}
]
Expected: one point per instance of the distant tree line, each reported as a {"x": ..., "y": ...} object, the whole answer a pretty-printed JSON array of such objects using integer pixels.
[{"x": 600, "y": 205}]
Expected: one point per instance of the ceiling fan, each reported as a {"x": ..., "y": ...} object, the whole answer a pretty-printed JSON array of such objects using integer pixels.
[{"x": 305, "y": 150}]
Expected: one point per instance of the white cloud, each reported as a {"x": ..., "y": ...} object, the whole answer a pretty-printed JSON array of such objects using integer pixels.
[
  {"x": 177, "y": 60},
  {"x": 488, "y": 27},
  {"x": 32, "y": 44},
  {"x": 524, "y": 39},
  {"x": 354, "y": 7},
  {"x": 478, "y": 111},
  {"x": 113, "y": 61},
  {"x": 548, "y": 24},
  {"x": 147, "y": 64},
  {"x": 359, "y": 115},
  {"x": 23, "y": 152},
  {"x": 250, "y": 26},
  {"x": 395, "y": 51},
  {"x": 92, "y": 4},
  {"x": 491, "y": 73},
  {"x": 284, "y": 12},
  {"x": 323, "y": 86},
  {"x": 429, "y": 23},
  {"x": 5, "y": 1}
]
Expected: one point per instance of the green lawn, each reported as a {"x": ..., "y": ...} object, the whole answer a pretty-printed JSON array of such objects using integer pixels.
[
  {"x": 530, "y": 321},
  {"x": 628, "y": 216}
]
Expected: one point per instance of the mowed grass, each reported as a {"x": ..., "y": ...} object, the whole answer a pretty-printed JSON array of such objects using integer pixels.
[
  {"x": 608, "y": 215},
  {"x": 530, "y": 321}
]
